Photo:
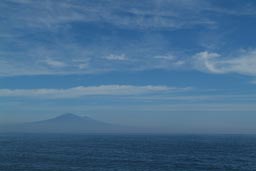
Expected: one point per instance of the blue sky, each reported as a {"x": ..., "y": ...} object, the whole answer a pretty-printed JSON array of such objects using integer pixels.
[{"x": 170, "y": 64}]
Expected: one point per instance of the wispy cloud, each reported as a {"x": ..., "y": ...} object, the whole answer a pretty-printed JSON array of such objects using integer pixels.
[
  {"x": 253, "y": 82},
  {"x": 75, "y": 92},
  {"x": 54, "y": 63},
  {"x": 60, "y": 51},
  {"x": 165, "y": 57},
  {"x": 113, "y": 57},
  {"x": 243, "y": 63},
  {"x": 153, "y": 14},
  {"x": 243, "y": 9}
]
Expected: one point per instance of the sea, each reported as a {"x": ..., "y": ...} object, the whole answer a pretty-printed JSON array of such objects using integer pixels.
[{"x": 127, "y": 152}]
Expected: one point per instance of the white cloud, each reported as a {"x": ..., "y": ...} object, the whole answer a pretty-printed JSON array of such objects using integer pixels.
[
  {"x": 154, "y": 14},
  {"x": 205, "y": 61},
  {"x": 82, "y": 65},
  {"x": 88, "y": 91},
  {"x": 54, "y": 63},
  {"x": 244, "y": 9},
  {"x": 63, "y": 51},
  {"x": 165, "y": 57},
  {"x": 244, "y": 63},
  {"x": 113, "y": 57},
  {"x": 253, "y": 82}
]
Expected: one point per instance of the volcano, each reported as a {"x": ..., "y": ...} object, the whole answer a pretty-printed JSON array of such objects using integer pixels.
[{"x": 67, "y": 123}]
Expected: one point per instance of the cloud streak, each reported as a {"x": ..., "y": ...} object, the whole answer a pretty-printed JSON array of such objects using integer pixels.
[
  {"x": 55, "y": 63},
  {"x": 44, "y": 37},
  {"x": 113, "y": 57},
  {"x": 102, "y": 90},
  {"x": 244, "y": 63},
  {"x": 152, "y": 15}
]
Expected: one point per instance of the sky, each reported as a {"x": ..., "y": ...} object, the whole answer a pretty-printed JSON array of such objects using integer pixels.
[{"x": 174, "y": 65}]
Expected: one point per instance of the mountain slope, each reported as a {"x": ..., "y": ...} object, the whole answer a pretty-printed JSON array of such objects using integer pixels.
[{"x": 67, "y": 123}]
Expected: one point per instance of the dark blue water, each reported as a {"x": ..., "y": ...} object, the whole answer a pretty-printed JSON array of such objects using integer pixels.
[{"x": 127, "y": 152}]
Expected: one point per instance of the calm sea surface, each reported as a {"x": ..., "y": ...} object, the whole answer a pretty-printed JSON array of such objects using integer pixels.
[{"x": 54, "y": 152}]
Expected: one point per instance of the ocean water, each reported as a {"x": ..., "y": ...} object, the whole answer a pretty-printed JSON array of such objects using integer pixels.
[{"x": 55, "y": 152}]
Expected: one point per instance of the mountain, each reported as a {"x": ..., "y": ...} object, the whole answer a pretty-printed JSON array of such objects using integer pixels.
[{"x": 67, "y": 123}]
